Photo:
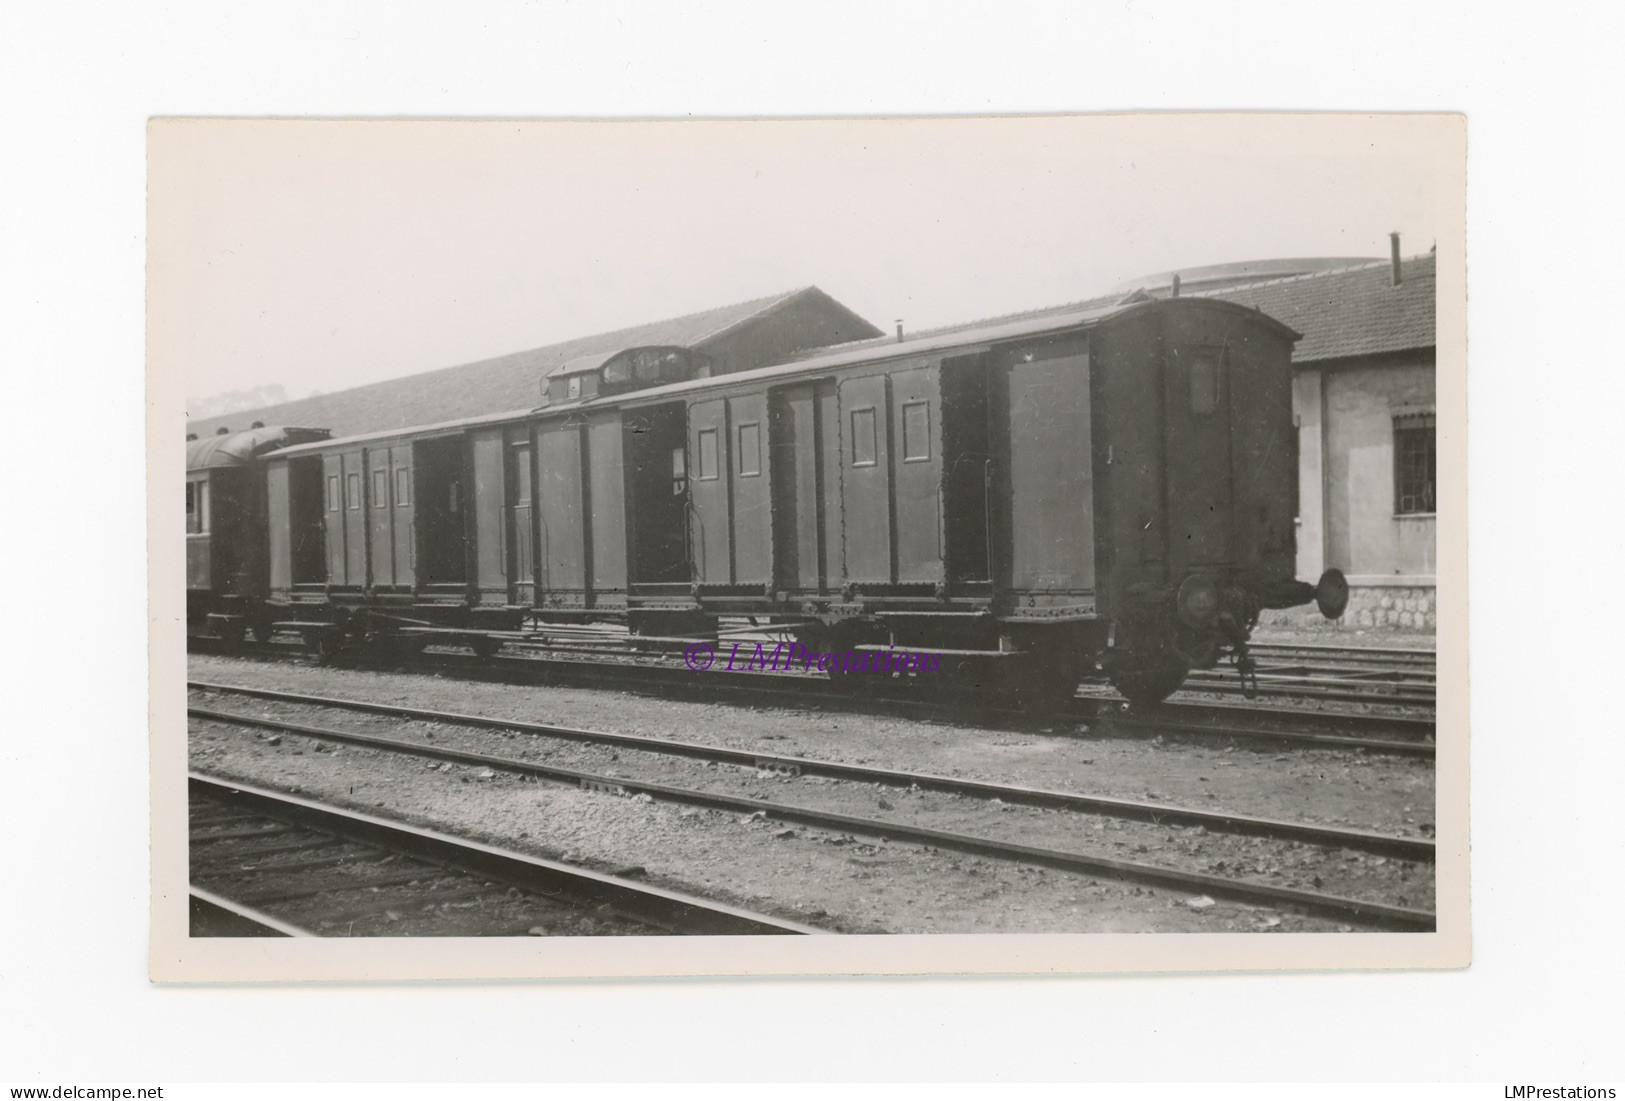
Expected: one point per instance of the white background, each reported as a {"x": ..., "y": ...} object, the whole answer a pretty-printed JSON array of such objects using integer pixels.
[{"x": 1540, "y": 1002}]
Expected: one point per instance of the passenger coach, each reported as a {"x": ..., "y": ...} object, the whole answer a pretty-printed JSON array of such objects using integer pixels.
[{"x": 1110, "y": 488}]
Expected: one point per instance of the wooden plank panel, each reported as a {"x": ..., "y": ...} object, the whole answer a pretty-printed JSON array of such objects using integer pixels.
[
  {"x": 750, "y": 484},
  {"x": 796, "y": 456},
  {"x": 827, "y": 406},
  {"x": 333, "y": 517},
  {"x": 279, "y": 517},
  {"x": 866, "y": 480},
  {"x": 380, "y": 519},
  {"x": 562, "y": 551},
  {"x": 1050, "y": 472},
  {"x": 354, "y": 520},
  {"x": 490, "y": 578},
  {"x": 711, "y": 527},
  {"x": 606, "y": 503},
  {"x": 916, "y": 403},
  {"x": 402, "y": 514}
]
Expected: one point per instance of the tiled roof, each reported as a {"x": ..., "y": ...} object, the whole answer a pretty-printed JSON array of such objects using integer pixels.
[
  {"x": 1355, "y": 311},
  {"x": 1341, "y": 312},
  {"x": 506, "y": 382}
]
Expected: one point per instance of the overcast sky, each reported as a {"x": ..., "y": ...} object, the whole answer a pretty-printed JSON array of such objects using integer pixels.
[{"x": 321, "y": 255}]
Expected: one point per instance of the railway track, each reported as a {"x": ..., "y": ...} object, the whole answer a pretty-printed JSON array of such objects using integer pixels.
[
  {"x": 1224, "y": 719},
  {"x": 265, "y": 863},
  {"x": 1376, "y": 914}
]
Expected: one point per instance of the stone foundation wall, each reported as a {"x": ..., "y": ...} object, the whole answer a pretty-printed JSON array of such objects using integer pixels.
[{"x": 1407, "y": 607}]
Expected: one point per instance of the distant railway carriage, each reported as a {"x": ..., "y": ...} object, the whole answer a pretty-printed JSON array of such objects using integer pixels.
[
  {"x": 226, "y": 584},
  {"x": 1111, "y": 487}
]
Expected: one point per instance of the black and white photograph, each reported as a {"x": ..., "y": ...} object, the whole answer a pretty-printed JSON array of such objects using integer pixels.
[{"x": 897, "y": 539}]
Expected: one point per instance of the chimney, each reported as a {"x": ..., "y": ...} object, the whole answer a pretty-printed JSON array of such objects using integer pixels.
[
  {"x": 1393, "y": 253},
  {"x": 1176, "y": 284},
  {"x": 899, "y": 330}
]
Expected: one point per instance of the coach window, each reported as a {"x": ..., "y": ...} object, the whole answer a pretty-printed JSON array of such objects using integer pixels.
[
  {"x": 750, "y": 450},
  {"x": 403, "y": 485},
  {"x": 197, "y": 508},
  {"x": 1204, "y": 383},
  {"x": 863, "y": 437},
  {"x": 380, "y": 489},
  {"x": 917, "y": 432},
  {"x": 352, "y": 491},
  {"x": 332, "y": 493},
  {"x": 708, "y": 455},
  {"x": 1415, "y": 464}
]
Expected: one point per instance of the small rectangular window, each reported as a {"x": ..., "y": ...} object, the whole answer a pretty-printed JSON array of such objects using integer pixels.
[
  {"x": 1415, "y": 464},
  {"x": 332, "y": 493},
  {"x": 750, "y": 450},
  {"x": 708, "y": 455},
  {"x": 575, "y": 387},
  {"x": 454, "y": 497},
  {"x": 917, "y": 432},
  {"x": 352, "y": 491},
  {"x": 679, "y": 464},
  {"x": 1204, "y": 373},
  {"x": 380, "y": 489},
  {"x": 403, "y": 485},
  {"x": 197, "y": 507},
  {"x": 863, "y": 437}
]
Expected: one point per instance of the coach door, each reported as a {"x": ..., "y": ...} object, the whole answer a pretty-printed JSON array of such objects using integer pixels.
[
  {"x": 521, "y": 518},
  {"x": 805, "y": 464},
  {"x": 1196, "y": 441},
  {"x": 866, "y": 480},
  {"x": 389, "y": 531},
  {"x": 709, "y": 527},
  {"x": 1043, "y": 499},
  {"x": 401, "y": 519},
  {"x": 346, "y": 534}
]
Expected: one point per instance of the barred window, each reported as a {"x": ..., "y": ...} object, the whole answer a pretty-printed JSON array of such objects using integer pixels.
[{"x": 1415, "y": 464}]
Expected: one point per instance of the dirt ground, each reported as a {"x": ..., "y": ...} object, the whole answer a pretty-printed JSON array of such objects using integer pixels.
[{"x": 845, "y": 883}]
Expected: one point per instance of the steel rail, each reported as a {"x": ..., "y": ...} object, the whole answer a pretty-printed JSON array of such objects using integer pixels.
[
  {"x": 1335, "y": 906},
  {"x": 642, "y": 902},
  {"x": 793, "y": 690},
  {"x": 235, "y": 919},
  {"x": 1408, "y": 848}
]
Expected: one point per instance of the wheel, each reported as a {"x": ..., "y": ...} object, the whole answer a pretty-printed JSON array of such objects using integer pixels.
[
  {"x": 484, "y": 646},
  {"x": 1149, "y": 682},
  {"x": 263, "y": 630},
  {"x": 230, "y": 631}
]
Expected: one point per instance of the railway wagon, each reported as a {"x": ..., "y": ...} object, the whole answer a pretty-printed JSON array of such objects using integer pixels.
[
  {"x": 226, "y": 581},
  {"x": 1036, "y": 499}
]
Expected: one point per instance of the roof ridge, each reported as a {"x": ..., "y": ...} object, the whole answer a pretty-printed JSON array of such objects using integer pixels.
[
  {"x": 771, "y": 302},
  {"x": 1303, "y": 276}
]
